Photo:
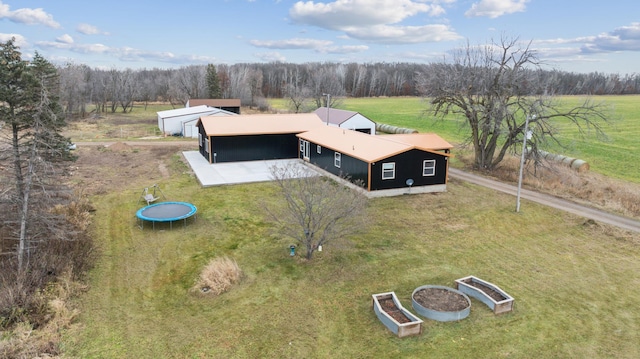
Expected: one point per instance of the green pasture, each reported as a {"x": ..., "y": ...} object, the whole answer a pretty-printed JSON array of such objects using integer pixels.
[
  {"x": 576, "y": 285},
  {"x": 615, "y": 156}
]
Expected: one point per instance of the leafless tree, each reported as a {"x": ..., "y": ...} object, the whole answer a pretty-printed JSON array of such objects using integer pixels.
[
  {"x": 496, "y": 88},
  {"x": 316, "y": 210},
  {"x": 297, "y": 98}
]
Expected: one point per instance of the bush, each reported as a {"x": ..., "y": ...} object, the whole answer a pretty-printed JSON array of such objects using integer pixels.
[{"x": 218, "y": 276}]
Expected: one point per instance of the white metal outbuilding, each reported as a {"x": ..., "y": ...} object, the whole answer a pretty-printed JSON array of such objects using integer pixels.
[
  {"x": 182, "y": 121},
  {"x": 349, "y": 120}
]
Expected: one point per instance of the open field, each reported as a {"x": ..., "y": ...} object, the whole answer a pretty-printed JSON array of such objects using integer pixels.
[
  {"x": 576, "y": 283},
  {"x": 614, "y": 156}
]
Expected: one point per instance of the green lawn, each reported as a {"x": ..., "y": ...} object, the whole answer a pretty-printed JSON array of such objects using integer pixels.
[
  {"x": 576, "y": 287},
  {"x": 616, "y": 156}
]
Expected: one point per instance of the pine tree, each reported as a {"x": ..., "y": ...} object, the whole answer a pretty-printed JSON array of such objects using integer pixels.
[
  {"x": 30, "y": 109},
  {"x": 213, "y": 82}
]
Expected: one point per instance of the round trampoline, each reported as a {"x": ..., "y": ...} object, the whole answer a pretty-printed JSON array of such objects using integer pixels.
[{"x": 166, "y": 212}]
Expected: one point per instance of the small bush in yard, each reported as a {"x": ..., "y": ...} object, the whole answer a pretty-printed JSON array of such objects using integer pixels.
[{"x": 218, "y": 276}]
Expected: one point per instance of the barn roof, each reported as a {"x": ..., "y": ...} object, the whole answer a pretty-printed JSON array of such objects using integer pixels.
[
  {"x": 259, "y": 124},
  {"x": 202, "y": 110},
  {"x": 336, "y": 116},
  {"x": 363, "y": 146},
  {"x": 215, "y": 102}
]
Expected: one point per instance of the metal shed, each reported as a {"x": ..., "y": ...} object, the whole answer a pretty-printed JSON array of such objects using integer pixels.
[
  {"x": 349, "y": 120},
  {"x": 182, "y": 121}
]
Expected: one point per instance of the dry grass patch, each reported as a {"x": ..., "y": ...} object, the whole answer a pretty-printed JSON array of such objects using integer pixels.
[
  {"x": 218, "y": 277},
  {"x": 562, "y": 181}
]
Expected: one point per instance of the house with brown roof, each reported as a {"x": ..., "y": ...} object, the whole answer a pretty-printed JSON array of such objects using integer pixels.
[
  {"x": 406, "y": 162},
  {"x": 227, "y": 104},
  {"x": 349, "y": 120},
  {"x": 386, "y": 162}
]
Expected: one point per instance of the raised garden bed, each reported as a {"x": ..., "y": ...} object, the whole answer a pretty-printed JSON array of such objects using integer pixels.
[
  {"x": 440, "y": 303},
  {"x": 488, "y": 293},
  {"x": 394, "y": 316}
]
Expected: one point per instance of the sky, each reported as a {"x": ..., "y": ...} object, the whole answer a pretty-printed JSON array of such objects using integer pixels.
[{"x": 570, "y": 35}]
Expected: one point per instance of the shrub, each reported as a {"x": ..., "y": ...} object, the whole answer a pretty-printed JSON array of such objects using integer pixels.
[{"x": 218, "y": 276}]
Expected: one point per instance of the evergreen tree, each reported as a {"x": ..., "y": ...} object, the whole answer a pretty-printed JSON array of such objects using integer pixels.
[
  {"x": 30, "y": 109},
  {"x": 213, "y": 82}
]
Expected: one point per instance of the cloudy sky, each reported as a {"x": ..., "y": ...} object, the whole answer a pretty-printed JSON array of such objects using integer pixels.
[{"x": 570, "y": 35}]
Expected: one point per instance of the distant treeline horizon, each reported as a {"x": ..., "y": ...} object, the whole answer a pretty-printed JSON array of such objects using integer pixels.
[{"x": 117, "y": 89}]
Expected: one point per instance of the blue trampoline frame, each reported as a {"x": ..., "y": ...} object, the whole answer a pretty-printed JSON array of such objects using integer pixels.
[{"x": 153, "y": 220}]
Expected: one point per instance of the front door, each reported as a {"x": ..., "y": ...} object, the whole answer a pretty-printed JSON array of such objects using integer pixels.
[{"x": 304, "y": 149}]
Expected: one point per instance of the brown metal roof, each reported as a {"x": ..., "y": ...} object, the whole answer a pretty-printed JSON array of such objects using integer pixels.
[
  {"x": 259, "y": 124},
  {"x": 363, "y": 146},
  {"x": 215, "y": 102},
  {"x": 425, "y": 141}
]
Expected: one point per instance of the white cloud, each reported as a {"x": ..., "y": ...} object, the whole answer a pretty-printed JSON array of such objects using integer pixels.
[
  {"x": 347, "y": 49},
  {"x": 624, "y": 38},
  {"x": 126, "y": 53},
  {"x": 320, "y": 46},
  {"x": 404, "y": 34},
  {"x": 496, "y": 8},
  {"x": 88, "y": 29},
  {"x": 28, "y": 16},
  {"x": 374, "y": 20},
  {"x": 65, "y": 39},
  {"x": 20, "y": 40},
  {"x": 349, "y": 13},
  {"x": 271, "y": 57},
  {"x": 296, "y": 43}
]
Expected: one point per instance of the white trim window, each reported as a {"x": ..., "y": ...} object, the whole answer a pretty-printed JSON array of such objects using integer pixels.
[
  {"x": 388, "y": 170},
  {"x": 206, "y": 145},
  {"x": 319, "y": 149},
  {"x": 199, "y": 139},
  {"x": 302, "y": 145},
  {"x": 337, "y": 159},
  {"x": 429, "y": 168}
]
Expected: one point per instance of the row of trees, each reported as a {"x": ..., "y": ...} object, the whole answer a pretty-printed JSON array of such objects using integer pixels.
[
  {"x": 116, "y": 90},
  {"x": 37, "y": 240}
]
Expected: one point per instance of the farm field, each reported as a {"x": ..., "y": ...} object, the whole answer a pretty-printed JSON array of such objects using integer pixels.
[
  {"x": 576, "y": 283},
  {"x": 613, "y": 156}
]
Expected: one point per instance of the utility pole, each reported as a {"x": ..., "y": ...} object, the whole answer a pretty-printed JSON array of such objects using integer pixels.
[{"x": 527, "y": 135}]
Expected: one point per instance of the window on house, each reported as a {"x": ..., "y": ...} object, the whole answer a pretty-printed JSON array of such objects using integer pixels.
[
  {"x": 319, "y": 149},
  {"x": 337, "y": 159},
  {"x": 301, "y": 145},
  {"x": 206, "y": 145},
  {"x": 429, "y": 168},
  {"x": 200, "y": 139},
  {"x": 388, "y": 170}
]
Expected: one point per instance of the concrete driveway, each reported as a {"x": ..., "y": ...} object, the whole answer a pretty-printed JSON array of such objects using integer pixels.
[{"x": 219, "y": 174}]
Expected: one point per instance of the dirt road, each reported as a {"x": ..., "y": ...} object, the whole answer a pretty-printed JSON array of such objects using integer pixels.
[{"x": 551, "y": 201}]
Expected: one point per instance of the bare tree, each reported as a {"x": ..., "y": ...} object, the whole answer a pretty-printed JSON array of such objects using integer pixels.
[
  {"x": 317, "y": 210},
  {"x": 298, "y": 98},
  {"x": 498, "y": 89}
]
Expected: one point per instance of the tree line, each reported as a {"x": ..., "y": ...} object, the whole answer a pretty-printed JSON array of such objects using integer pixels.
[{"x": 84, "y": 89}]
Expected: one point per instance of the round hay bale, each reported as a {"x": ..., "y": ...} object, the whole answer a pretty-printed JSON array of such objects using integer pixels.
[
  {"x": 580, "y": 165},
  {"x": 383, "y": 127},
  {"x": 568, "y": 161}
]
